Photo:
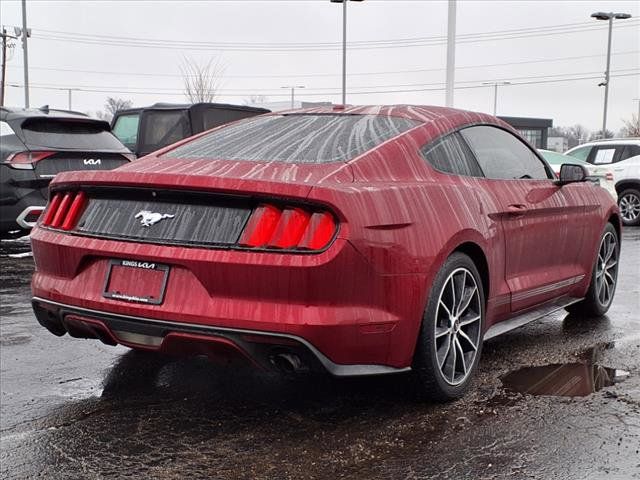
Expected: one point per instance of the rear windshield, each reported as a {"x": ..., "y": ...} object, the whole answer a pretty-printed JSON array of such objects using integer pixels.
[
  {"x": 69, "y": 135},
  {"x": 298, "y": 138},
  {"x": 162, "y": 128}
]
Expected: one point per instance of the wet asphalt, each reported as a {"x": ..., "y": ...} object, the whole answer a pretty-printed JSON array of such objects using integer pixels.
[{"x": 77, "y": 409}]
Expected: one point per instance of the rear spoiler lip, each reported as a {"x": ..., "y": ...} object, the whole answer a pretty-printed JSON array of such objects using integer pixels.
[{"x": 86, "y": 121}]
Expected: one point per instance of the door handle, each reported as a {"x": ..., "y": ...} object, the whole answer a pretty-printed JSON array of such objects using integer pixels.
[{"x": 517, "y": 209}]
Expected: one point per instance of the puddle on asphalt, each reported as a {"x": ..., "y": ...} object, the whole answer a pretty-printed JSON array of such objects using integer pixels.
[{"x": 567, "y": 380}]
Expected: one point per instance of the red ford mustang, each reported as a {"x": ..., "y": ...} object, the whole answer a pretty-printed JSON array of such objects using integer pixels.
[{"x": 358, "y": 241}]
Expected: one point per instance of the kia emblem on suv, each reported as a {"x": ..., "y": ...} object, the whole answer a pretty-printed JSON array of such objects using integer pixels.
[{"x": 92, "y": 161}]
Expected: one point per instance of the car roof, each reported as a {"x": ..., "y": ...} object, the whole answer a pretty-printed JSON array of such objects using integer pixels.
[
  {"x": 620, "y": 141},
  {"x": 13, "y": 113},
  {"x": 419, "y": 113},
  {"x": 190, "y": 106}
]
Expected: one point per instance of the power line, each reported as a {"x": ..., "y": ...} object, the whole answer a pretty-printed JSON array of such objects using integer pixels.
[
  {"x": 461, "y": 87},
  {"x": 71, "y": 37},
  {"x": 396, "y": 72}
]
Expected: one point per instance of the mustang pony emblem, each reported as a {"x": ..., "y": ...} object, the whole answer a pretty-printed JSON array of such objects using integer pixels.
[{"x": 148, "y": 218}]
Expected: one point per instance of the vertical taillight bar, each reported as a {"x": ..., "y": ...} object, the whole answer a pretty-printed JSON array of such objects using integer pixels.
[
  {"x": 75, "y": 210},
  {"x": 62, "y": 210},
  {"x": 52, "y": 208}
]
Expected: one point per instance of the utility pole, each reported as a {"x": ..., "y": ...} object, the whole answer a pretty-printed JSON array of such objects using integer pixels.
[
  {"x": 495, "y": 93},
  {"x": 4, "y": 65},
  {"x": 451, "y": 52},
  {"x": 25, "y": 34},
  {"x": 293, "y": 93},
  {"x": 610, "y": 17},
  {"x": 69, "y": 90}
]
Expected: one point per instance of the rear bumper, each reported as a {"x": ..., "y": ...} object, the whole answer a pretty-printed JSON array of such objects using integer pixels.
[
  {"x": 262, "y": 349},
  {"x": 15, "y": 216},
  {"x": 333, "y": 303}
]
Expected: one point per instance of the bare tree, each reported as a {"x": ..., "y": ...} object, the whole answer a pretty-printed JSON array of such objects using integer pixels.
[
  {"x": 631, "y": 127},
  {"x": 575, "y": 135},
  {"x": 598, "y": 135},
  {"x": 255, "y": 100},
  {"x": 114, "y": 104},
  {"x": 201, "y": 82}
]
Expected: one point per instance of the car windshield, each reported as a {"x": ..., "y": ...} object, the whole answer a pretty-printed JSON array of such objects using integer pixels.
[
  {"x": 71, "y": 135},
  {"x": 297, "y": 138},
  {"x": 555, "y": 158}
]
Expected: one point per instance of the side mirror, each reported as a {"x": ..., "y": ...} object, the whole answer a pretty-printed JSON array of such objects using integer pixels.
[{"x": 571, "y": 172}]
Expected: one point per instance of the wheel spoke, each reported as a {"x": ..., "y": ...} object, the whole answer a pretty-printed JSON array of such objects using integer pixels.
[
  {"x": 464, "y": 364},
  {"x": 443, "y": 360},
  {"x": 442, "y": 331},
  {"x": 453, "y": 367},
  {"x": 467, "y": 300},
  {"x": 453, "y": 294},
  {"x": 460, "y": 297},
  {"x": 467, "y": 339},
  {"x": 469, "y": 321},
  {"x": 442, "y": 304}
]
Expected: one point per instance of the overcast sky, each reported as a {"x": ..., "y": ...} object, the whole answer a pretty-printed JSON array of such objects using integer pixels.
[{"x": 134, "y": 50}]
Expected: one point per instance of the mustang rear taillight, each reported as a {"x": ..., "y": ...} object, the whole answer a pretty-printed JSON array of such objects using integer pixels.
[
  {"x": 289, "y": 228},
  {"x": 26, "y": 160},
  {"x": 64, "y": 210}
]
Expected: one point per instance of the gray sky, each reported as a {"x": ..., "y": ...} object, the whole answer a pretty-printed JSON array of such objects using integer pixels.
[{"x": 254, "y": 40}]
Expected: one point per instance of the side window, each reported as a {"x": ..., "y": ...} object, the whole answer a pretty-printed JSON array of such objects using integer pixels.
[
  {"x": 629, "y": 151},
  {"x": 502, "y": 155},
  {"x": 126, "y": 129},
  {"x": 581, "y": 153},
  {"x": 451, "y": 155},
  {"x": 603, "y": 155}
]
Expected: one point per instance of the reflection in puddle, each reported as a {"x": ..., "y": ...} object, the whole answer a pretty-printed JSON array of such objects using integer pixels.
[{"x": 568, "y": 380}]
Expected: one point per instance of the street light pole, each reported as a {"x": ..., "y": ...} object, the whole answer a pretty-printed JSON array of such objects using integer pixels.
[
  {"x": 344, "y": 52},
  {"x": 495, "y": 93},
  {"x": 25, "y": 60},
  {"x": 293, "y": 93},
  {"x": 610, "y": 17},
  {"x": 344, "y": 46},
  {"x": 451, "y": 52}
]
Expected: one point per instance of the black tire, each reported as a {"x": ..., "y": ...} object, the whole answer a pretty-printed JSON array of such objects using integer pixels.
[
  {"x": 430, "y": 365},
  {"x": 597, "y": 301},
  {"x": 629, "y": 203}
]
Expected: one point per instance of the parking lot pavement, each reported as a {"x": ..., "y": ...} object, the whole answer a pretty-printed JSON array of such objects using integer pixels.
[{"x": 78, "y": 409}]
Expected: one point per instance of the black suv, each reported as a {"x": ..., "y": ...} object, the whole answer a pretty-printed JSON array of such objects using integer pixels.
[
  {"x": 35, "y": 145},
  {"x": 145, "y": 130}
]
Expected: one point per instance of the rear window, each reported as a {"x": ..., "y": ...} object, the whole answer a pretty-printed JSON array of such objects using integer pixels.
[
  {"x": 69, "y": 135},
  {"x": 298, "y": 138},
  {"x": 162, "y": 128}
]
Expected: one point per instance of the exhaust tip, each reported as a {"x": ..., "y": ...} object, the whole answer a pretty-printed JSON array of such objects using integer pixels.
[{"x": 288, "y": 363}]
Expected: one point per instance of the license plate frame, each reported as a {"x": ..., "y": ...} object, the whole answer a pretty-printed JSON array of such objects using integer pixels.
[{"x": 134, "y": 264}]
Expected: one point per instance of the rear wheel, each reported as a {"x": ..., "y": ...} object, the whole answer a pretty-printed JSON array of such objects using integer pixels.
[
  {"x": 603, "y": 278},
  {"x": 629, "y": 203},
  {"x": 450, "y": 341}
]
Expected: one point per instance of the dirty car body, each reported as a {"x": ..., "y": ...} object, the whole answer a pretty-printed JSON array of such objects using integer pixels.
[{"x": 317, "y": 239}]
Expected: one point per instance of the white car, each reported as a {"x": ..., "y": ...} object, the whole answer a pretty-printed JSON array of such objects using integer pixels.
[
  {"x": 623, "y": 157},
  {"x": 603, "y": 176}
]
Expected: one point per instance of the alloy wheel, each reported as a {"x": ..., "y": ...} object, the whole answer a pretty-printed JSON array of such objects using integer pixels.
[
  {"x": 607, "y": 269},
  {"x": 458, "y": 326},
  {"x": 630, "y": 207}
]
